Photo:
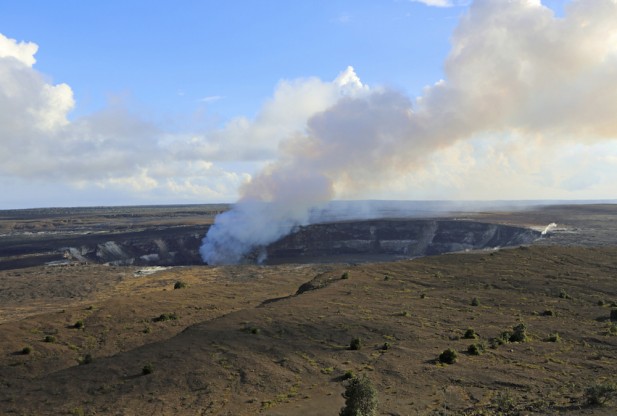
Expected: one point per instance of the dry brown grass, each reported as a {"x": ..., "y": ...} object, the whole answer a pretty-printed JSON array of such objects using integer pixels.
[{"x": 211, "y": 361}]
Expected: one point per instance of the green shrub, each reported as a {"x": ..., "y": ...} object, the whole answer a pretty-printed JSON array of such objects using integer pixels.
[
  {"x": 49, "y": 338},
  {"x": 475, "y": 302},
  {"x": 360, "y": 398},
  {"x": 448, "y": 356},
  {"x": 79, "y": 324},
  {"x": 475, "y": 349},
  {"x": 563, "y": 294},
  {"x": 385, "y": 346},
  {"x": 179, "y": 285},
  {"x": 147, "y": 369},
  {"x": 599, "y": 394},
  {"x": 345, "y": 275},
  {"x": 553, "y": 338},
  {"x": 470, "y": 334},
  {"x": 26, "y": 350},
  {"x": 548, "y": 312},
  {"x": 519, "y": 333},
  {"x": 355, "y": 344},
  {"x": 166, "y": 317},
  {"x": 87, "y": 359},
  {"x": 348, "y": 375}
]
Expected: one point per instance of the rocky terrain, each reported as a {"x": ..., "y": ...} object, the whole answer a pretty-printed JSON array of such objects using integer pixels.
[{"x": 84, "y": 338}]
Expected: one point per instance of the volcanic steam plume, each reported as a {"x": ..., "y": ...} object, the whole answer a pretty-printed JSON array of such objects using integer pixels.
[{"x": 515, "y": 70}]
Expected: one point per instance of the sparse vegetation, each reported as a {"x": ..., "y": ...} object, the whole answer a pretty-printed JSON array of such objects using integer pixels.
[
  {"x": 475, "y": 302},
  {"x": 79, "y": 324},
  {"x": 26, "y": 350},
  {"x": 360, "y": 398},
  {"x": 345, "y": 275},
  {"x": 49, "y": 338},
  {"x": 166, "y": 317},
  {"x": 519, "y": 333},
  {"x": 348, "y": 375},
  {"x": 470, "y": 333},
  {"x": 553, "y": 338},
  {"x": 179, "y": 285},
  {"x": 147, "y": 369},
  {"x": 87, "y": 359},
  {"x": 548, "y": 312},
  {"x": 613, "y": 315},
  {"x": 563, "y": 294},
  {"x": 448, "y": 356},
  {"x": 355, "y": 344},
  {"x": 475, "y": 349},
  {"x": 386, "y": 346},
  {"x": 599, "y": 394}
]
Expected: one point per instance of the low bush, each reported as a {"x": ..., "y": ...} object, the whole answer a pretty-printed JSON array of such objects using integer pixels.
[
  {"x": 475, "y": 349},
  {"x": 79, "y": 324},
  {"x": 147, "y": 369},
  {"x": 179, "y": 285},
  {"x": 470, "y": 333},
  {"x": 360, "y": 398},
  {"x": 348, "y": 375},
  {"x": 448, "y": 356},
  {"x": 49, "y": 338},
  {"x": 519, "y": 333},
  {"x": 599, "y": 394},
  {"x": 355, "y": 344},
  {"x": 166, "y": 317}
]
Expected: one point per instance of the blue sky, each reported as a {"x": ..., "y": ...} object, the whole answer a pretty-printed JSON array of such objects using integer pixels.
[
  {"x": 188, "y": 101},
  {"x": 169, "y": 55}
]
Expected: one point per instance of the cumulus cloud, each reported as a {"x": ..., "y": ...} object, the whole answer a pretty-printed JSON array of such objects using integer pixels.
[
  {"x": 115, "y": 149},
  {"x": 516, "y": 76}
]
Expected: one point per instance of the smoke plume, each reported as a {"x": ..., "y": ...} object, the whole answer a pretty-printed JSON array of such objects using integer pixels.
[{"x": 514, "y": 70}]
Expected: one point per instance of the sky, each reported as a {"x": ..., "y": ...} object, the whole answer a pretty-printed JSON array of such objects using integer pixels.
[{"x": 158, "y": 102}]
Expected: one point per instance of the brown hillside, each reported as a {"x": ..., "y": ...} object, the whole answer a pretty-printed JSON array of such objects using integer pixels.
[{"x": 246, "y": 341}]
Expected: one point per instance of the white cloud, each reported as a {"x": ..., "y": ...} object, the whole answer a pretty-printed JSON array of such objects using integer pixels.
[
  {"x": 23, "y": 51},
  {"x": 445, "y": 3},
  {"x": 525, "y": 98},
  {"x": 436, "y": 3},
  {"x": 211, "y": 99}
]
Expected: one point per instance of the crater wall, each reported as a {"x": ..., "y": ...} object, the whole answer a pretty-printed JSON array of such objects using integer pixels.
[{"x": 394, "y": 238}]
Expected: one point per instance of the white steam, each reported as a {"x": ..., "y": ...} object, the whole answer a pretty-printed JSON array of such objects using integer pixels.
[
  {"x": 549, "y": 228},
  {"x": 515, "y": 70}
]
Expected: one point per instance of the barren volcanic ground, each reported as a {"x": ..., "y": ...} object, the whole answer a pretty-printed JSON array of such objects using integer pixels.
[{"x": 82, "y": 338}]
